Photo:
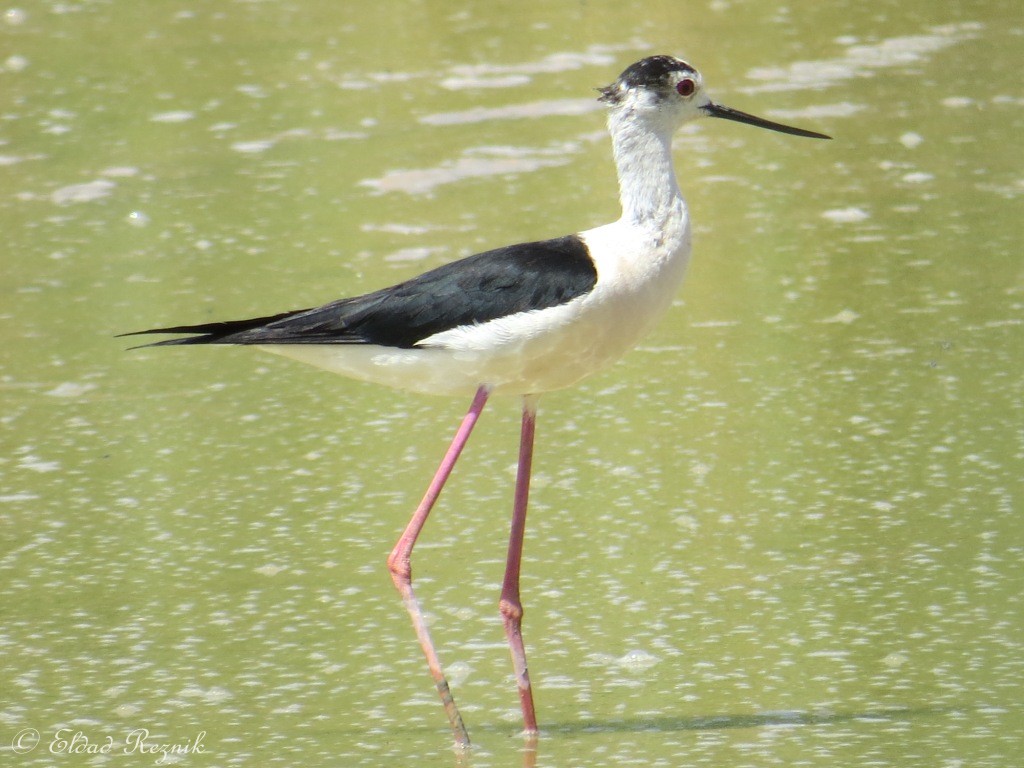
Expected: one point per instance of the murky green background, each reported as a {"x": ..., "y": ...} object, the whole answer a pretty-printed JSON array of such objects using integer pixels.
[{"x": 786, "y": 531}]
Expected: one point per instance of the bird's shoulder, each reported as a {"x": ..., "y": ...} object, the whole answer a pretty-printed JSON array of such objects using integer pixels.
[{"x": 514, "y": 272}]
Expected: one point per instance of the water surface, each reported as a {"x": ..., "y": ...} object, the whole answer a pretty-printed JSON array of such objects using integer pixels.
[{"x": 783, "y": 532}]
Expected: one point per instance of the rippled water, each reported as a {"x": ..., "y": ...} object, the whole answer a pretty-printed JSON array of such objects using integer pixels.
[{"x": 783, "y": 532}]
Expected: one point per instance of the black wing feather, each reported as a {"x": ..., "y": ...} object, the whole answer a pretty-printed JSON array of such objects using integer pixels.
[{"x": 476, "y": 289}]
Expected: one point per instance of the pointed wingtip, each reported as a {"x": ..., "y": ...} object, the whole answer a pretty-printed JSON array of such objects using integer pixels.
[{"x": 195, "y": 339}]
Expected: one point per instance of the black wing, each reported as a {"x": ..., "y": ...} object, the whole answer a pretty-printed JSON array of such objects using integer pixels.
[{"x": 486, "y": 286}]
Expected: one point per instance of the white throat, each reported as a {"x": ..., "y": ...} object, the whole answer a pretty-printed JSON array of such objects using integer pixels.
[{"x": 648, "y": 189}]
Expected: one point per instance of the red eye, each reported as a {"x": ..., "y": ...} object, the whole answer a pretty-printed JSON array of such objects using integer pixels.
[{"x": 686, "y": 87}]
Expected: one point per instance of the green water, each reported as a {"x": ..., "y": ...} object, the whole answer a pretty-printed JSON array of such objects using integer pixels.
[{"x": 783, "y": 532}]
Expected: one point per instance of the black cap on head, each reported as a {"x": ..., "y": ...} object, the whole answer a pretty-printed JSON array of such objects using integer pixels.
[{"x": 653, "y": 73}]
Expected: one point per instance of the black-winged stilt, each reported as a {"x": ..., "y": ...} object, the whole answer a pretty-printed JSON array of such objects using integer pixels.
[{"x": 520, "y": 320}]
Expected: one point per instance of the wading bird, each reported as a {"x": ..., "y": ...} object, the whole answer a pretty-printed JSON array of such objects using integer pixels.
[{"x": 520, "y": 320}]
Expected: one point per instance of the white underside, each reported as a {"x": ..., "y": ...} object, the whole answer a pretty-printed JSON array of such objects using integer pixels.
[{"x": 639, "y": 272}]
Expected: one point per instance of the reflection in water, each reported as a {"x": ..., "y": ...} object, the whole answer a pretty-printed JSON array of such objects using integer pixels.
[
  {"x": 861, "y": 59},
  {"x": 474, "y": 162}
]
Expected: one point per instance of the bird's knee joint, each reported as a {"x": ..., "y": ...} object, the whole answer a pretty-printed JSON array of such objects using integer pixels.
[
  {"x": 400, "y": 568},
  {"x": 511, "y": 610}
]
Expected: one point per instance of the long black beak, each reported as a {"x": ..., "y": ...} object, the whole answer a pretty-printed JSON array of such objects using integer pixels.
[{"x": 717, "y": 110}]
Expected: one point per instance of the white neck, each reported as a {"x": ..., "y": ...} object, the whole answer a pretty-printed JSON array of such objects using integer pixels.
[{"x": 648, "y": 188}]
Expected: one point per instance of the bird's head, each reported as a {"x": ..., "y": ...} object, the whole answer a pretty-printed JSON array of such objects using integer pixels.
[{"x": 667, "y": 92}]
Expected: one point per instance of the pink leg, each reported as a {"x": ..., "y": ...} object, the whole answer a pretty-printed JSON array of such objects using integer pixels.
[
  {"x": 510, "y": 605},
  {"x": 400, "y": 565}
]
